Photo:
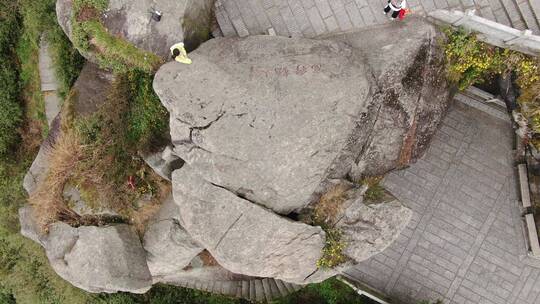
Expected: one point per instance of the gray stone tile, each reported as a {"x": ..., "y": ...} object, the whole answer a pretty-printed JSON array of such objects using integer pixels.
[
  {"x": 316, "y": 21},
  {"x": 290, "y": 22},
  {"x": 301, "y": 17},
  {"x": 324, "y": 8},
  {"x": 331, "y": 24},
  {"x": 354, "y": 14},
  {"x": 277, "y": 21}
]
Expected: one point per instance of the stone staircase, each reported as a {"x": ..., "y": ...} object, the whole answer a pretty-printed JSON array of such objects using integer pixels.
[
  {"x": 259, "y": 290},
  {"x": 484, "y": 101},
  {"x": 519, "y": 14}
]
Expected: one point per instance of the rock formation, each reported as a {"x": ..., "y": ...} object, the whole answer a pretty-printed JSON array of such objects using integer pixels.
[
  {"x": 275, "y": 122},
  {"x": 261, "y": 128},
  {"x": 185, "y": 20}
]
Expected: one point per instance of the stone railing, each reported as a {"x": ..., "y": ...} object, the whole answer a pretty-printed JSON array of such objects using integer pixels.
[{"x": 489, "y": 31}]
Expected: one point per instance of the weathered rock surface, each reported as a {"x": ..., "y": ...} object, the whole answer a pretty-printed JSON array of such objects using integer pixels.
[
  {"x": 131, "y": 19},
  {"x": 96, "y": 259},
  {"x": 265, "y": 126},
  {"x": 243, "y": 237},
  {"x": 369, "y": 229},
  {"x": 265, "y": 116},
  {"x": 164, "y": 162},
  {"x": 273, "y": 121},
  {"x": 169, "y": 247},
  {"x": 99, "y": 259},
  {"x": 91, "y": 89},
  {"x": 410, "y": 98},
  {"x": 29, "y": 227},
  {"x": 74, "y": 200},
  {"x": 40, "y": 165}
]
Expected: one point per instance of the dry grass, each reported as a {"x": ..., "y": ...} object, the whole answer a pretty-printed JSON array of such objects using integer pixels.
[
  {"x": 140, "y": 217},
  {"x": 208, "y": 259},
  {"x": 330, "y": 205},
  {"x": 47, "y": 200}
]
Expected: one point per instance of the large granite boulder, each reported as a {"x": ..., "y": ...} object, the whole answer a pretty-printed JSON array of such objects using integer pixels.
[
  {"x": 265, "y": 116},
  {"x": 243, "y": 237},
  {"x": 169, "y": 247},
  {"x": 275, "y": 122},
  {"x": 188, "y": 20},
  {"x": 262, "y": 127},
  {"x": 96, "y": 259}
]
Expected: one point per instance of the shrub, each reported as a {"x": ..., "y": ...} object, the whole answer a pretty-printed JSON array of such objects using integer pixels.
[
  {"x": 331, "y": 291},
  {"x": 111, "y": 172},
  {"x": 470, "y": 61},
  {"x": 324, "y": 215},
  {"x": 10, "y": 109},
  {"x": 332, "y": 253}
]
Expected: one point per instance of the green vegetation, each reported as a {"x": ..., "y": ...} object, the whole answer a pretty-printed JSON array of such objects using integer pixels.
[
  {"x": 112, "y": 52},
  {"x": 331, "y": 291},
  {"x": 10, "y": 109},
  {"x": 375, "y": 192},
  {"x": 324, "y": 215},
  {"x": 333, "y": 249},
  {"x": 39, "y": 17},
  {"x": 470, "y": 61},
  {"x": 131, "y": 121}
]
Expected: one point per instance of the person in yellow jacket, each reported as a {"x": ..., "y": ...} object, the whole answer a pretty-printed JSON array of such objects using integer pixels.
[{"x": 179, "y": 53}]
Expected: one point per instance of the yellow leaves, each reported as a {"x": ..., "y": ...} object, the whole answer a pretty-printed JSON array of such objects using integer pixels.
[{"x": 332, "y": 253}]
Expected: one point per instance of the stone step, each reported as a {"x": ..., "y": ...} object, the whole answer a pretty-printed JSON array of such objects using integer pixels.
[
  {"x": 217, "y": 287},
  {"x": 266, "y": 288},
  {"x": 527, "y": 13},
  {"x": 282, "y": 288},
  {"x": 274, "y": 289},
  {"x": 245, "y": 289},
  {"x": 493, "y": 111},
  {"x": 485, "y": 97},
  {"x": 535, "y": 7},
  {"x": 512, "y": 10},
  {"x": 252, "y": 290},
  {"x": 259, "y": 291},
  {"x": 225, "y": 24}
]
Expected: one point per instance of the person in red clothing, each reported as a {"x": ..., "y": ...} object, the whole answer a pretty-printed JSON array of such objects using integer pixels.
[{"x": 395, "y": 6}]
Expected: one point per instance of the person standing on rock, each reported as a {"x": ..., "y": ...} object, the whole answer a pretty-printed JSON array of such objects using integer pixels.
[
  {"x": 179, "y": 53},
  {"x": 395, "y": 6}
]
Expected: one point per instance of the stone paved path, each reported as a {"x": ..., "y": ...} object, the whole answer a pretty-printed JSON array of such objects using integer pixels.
[
  {"x": 311, "y": 18},
  {"x": 49, "y": 83},
  {"x": 464, "y": 244}
]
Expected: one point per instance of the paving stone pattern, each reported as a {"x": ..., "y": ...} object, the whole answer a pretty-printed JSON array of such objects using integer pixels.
[
  {"x": 311, "y": 18},
  {"x": 465, "y": 244},
  {"x": 49, "y": 83}
]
